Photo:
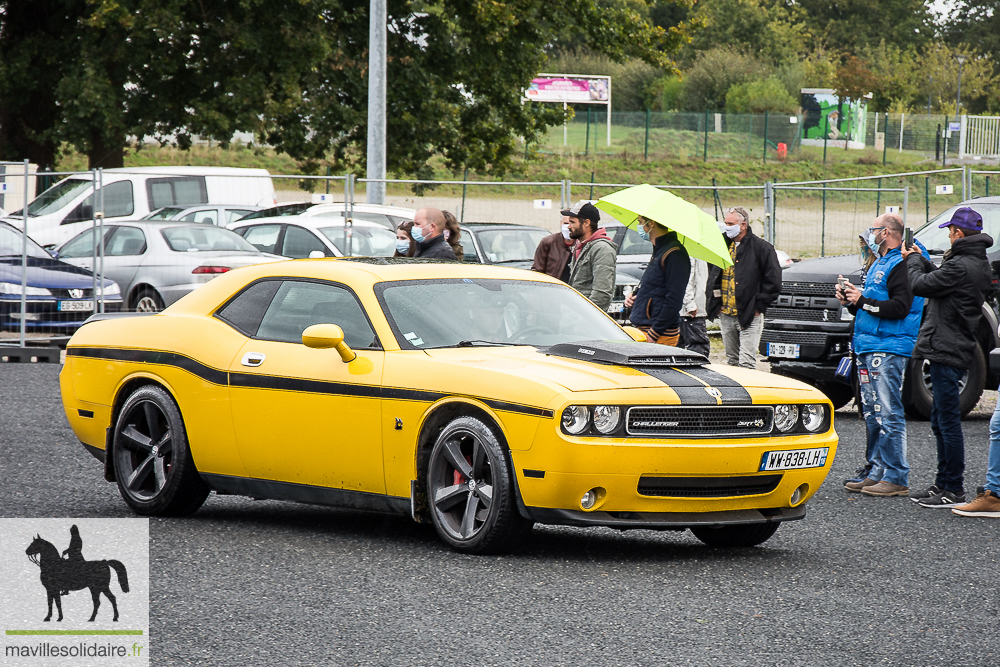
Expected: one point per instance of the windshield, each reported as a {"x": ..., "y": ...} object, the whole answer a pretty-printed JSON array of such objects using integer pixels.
[
  {"x": 510, "y": 245},
  {"x": 192, "y": 238},
  {"x": 58, "y": 196},
  {"x": 427, "y": 314},
  {"x": 362, "y": 241},
  {"x": 165, "y": 213},
  {"x": 936, "y": 238},
  {"x": 278, "y": 211},
  {"x": 11, "y": 243}
]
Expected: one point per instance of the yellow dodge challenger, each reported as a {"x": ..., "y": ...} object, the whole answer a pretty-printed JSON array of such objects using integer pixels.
[{"x": 478, "y": 398}]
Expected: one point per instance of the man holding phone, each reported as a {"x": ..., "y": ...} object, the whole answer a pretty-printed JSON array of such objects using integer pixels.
[{"x": 887, "y": 319}]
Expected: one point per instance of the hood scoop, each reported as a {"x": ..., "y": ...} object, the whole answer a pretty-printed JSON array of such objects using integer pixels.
[{"x": 620, "y": 353}]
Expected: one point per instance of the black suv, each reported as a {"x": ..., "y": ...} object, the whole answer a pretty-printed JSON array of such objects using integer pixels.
[{"x": 807, "y": 332}]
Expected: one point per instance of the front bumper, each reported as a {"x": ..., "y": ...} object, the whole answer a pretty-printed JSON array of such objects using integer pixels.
[
  {"x": 43, "y": 313},
  {"x": 664, "y": 520}
]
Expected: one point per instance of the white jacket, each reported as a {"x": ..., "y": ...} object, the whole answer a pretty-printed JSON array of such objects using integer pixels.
[{"x": 694, "y": 295}]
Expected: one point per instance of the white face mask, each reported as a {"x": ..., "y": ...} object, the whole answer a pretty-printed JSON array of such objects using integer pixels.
[
  {"x": 565, "y": 232},
  {"x": 732, "y": 231}
]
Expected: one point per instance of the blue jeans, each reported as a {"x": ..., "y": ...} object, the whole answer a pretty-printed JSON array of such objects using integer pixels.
[
  {"x": 946, "y": 422},
  {"x": 881, "y": 376},
  {"x": 993, "y": 471}
]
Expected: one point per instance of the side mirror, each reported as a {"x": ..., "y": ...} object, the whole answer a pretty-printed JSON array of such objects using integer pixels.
[
  {"x": 54, "y": 253},
  {"x": 325, "y": 336},
  {"x": 317, "y": 254},
  {"x": 636, "y": 335}
]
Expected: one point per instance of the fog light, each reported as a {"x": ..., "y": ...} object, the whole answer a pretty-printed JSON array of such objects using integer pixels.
[
  {"x": 592, "y": 498},
  {"x": 798, "y": 494}
]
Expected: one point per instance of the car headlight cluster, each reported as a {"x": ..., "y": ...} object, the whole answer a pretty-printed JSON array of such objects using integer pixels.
[
  {"x": 577, "y": 419},
  {"x": 15, "y": 288},
  {"x": 811, "y": 418},
  {"x": 112, "y": 289}
]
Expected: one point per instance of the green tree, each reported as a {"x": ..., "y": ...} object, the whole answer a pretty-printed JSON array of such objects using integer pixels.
[
  {"x": 712, "y": 75},
  {"x": 847, "y": 26},
  {"x": 771, "y": 30},
  {"x": 975, "y": 22},
  {"x": 760, "y": 96}
]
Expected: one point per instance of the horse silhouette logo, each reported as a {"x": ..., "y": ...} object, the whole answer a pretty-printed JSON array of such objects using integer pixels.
[{"x": 61, "y": 575}]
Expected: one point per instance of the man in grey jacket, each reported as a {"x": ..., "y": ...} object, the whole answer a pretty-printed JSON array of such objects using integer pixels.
[{"x": 594, "y": 257}]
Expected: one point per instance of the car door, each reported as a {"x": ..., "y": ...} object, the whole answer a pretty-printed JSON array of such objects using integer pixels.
[
  {"x": 303, "y": 415},
  {"x": 263, "y": 237},
  {"x": 300, "y": 243},
  {"x": 123, "y": 250}
]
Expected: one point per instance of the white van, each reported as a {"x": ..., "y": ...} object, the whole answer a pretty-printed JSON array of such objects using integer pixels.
[{"x": 67, "y": 208}]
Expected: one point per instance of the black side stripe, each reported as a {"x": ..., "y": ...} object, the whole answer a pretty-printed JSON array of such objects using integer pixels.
[{"x": 255, "y": 381}]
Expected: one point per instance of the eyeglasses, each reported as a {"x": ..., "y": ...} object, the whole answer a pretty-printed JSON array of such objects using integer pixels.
[{"x": 872, "y": 230}]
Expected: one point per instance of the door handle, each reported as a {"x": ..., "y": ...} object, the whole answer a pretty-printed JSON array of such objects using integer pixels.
[{"x": 252, "y": 359}]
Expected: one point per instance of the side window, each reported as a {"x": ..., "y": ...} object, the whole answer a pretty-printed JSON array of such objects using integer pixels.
[
  {"x": 206, "y": 217},
  {"x": 234, "y": 214},
  {"x": 298, "y": 305},
  {"x": 262, "y": 237},
  {"x": 118, "y": 202},
  {"x": 81, "y": 245},
  {"x": 246, "y": 310},
  {"x": 298, "y": 243},
  {"x": 126, "y": 241},
  {"x": 177, "y": 191}
]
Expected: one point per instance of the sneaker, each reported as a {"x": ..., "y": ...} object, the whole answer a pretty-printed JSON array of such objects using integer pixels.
[
  {"x": 945, "y": 499},
  {"x": 859, "y": 475},
  {"x": 987, "y": 503},
  {"x": 854, "y": 487},
  {"x": 886, "y": 489},
  {"x": 917, "y": 496}
]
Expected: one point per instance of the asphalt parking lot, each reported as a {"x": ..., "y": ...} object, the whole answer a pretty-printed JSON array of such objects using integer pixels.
[{"x": 861, "y": 581}]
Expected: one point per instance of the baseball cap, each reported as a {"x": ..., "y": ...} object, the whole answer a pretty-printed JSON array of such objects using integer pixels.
[
  {"x": 583, "y": 209},
  {"x": 965, "y": 218}
]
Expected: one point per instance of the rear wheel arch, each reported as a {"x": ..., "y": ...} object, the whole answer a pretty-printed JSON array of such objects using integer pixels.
[{"x": 125, "y": 390}]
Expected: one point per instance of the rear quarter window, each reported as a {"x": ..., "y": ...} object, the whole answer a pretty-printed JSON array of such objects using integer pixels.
[{"x": 176, "y": 191}]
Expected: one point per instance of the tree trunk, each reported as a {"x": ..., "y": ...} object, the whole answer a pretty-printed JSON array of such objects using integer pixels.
[{"x": 106, "y": 154}]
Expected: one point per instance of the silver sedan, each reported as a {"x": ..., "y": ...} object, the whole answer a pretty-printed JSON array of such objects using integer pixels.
[{"x": 156, "y": 263}]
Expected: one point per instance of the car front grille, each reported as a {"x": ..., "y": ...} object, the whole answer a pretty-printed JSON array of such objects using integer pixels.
[
  {"x": 802, "y": 314},
  {"x": 87, "y": 293},
  {"x": 794, "y": 337},
  {"x": 707, "y": 487},
  {"x": 700, "y": 422},
  {"x": 808, "y": 289}
]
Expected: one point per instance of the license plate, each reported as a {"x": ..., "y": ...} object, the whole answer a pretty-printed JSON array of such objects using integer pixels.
[
  {"x": 783, "y": 350},
  {"x": 76, "y": 305},
  {"x": 617, "y": 307},
  {"x": 794, "y": 459}
]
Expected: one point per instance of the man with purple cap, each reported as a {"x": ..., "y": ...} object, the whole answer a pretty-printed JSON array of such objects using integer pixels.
[{"x": 955, "y": 292}]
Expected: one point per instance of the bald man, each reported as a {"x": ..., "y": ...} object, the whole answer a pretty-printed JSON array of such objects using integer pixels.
[{"x": 428, "y": 225}]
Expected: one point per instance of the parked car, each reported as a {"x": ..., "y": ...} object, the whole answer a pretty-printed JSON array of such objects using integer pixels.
[
  {"x": 67, "y": 208},
  {"x": 320, "y": 236},
  {"x": 387, "y": 216},
  {"x": 204, "y": 214},
  {"x": 479, "y": 399},
  {"x": 59, "y": 296},
  {"x": 159, "y": 262},
  {"x": 807, "y": 332}
]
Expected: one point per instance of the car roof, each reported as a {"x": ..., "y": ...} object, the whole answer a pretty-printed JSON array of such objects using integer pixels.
[
  {"x": 310, "y": 221},
  {"x": 479, "y": 226}
]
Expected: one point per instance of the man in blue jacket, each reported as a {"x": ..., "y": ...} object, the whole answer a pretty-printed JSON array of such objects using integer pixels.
[
  {"x": 887, "y": 319},
  {"x": 656, "y": 306}
]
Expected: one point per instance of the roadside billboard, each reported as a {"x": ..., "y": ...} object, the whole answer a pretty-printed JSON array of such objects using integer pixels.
[{"x": 572, "y": 89}]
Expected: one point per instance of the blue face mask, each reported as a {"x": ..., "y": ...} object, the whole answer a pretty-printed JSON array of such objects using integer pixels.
[
  {"x": 873, "y": 245},
  {"x": 417, "y": 234},
  {"x": 643, "y": 234},
  {"x": 403, "y": 246}
]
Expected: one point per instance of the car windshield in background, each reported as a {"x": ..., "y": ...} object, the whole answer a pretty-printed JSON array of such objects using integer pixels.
[
  {"x": 633, "y": 244},
  {"x": 278, "y": 211},
  {"x": 429, "y": 314},
  {"x": 57, "y": 196},
  {"x": 510, "y": 245},
  {"x": 935, "y": 238},
  {"x": 11, "y": 243},
  {"x": 193, "y": 239},
  {"x": 361, "y": 241},
  {"x": 165, "y": 213}
]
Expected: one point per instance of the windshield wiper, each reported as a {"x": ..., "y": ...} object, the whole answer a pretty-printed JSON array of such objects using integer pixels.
[
  {"x": 486, "y": 343},
  {"x": 508, "y": 261}
]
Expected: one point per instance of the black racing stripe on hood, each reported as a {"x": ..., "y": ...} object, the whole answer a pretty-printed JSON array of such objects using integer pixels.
[{"x": 692, "y": 390}]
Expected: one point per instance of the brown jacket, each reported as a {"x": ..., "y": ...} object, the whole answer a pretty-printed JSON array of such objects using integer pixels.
[{"x": 552, "y": 256}]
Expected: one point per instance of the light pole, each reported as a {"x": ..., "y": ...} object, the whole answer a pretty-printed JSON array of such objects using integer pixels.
[
  {"x": 958, "y": 100},
  {"x": 375, "y": 192}
]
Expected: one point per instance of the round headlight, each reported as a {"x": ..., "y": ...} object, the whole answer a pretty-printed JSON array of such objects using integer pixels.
[
  {"x": 575, "y": 419},
  {"x": 786, "y": 417},
  {"x": 606, "y": 418},
  {"x": 813, "y": 417}
]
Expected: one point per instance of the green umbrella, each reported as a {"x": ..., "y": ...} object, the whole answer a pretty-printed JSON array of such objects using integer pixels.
[{"x": 696, "y": 230}]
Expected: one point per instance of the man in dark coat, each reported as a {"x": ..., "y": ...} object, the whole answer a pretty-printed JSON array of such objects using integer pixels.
[
  {"x": 947, "y": 339},
  {"x": 656, "y": 307},
  {"x": 740, "y": 295},
  {"x": 553, "y": 253},
  {"x": 428, "y": 225}
]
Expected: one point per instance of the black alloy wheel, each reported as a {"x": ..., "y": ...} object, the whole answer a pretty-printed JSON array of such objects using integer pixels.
[
  {"x": 471, "y": 492},
  {"x": 735, "y": 537},
  {"x": 153, "y": 466}
]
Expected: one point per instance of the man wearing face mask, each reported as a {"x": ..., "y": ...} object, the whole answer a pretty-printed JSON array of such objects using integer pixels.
[
  {"x": 887, "y": 319},
  {"x": 955, "y": 292},
  {"x": 656, "y": 306},
  {"x": 428, "y": 223},
  {"x": 553, "y": 253},
  {"x": 741, "y": 294}
]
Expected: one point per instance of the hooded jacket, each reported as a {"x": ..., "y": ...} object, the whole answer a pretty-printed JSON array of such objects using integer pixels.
[
  {"x": 592, "y": 270},
  {"x": 955, "y": 291}
]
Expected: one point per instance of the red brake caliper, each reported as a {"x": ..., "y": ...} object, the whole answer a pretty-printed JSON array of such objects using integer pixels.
[{"x": 459, "y": 477}]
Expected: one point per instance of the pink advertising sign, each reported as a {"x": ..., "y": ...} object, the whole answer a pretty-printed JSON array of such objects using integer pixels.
[{"x": 586, "y": 90}]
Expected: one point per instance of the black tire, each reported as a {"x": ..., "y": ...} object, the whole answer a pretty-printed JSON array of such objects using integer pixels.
[
  {"x": 839, "y": 394},
  {"x": 735, "y": 537},
  {"x": 918, "y": 397},
  {"x": 470, "y": 490},
  {"x": 148, "y": 300},
  {"x": 153, "y": 466}
]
